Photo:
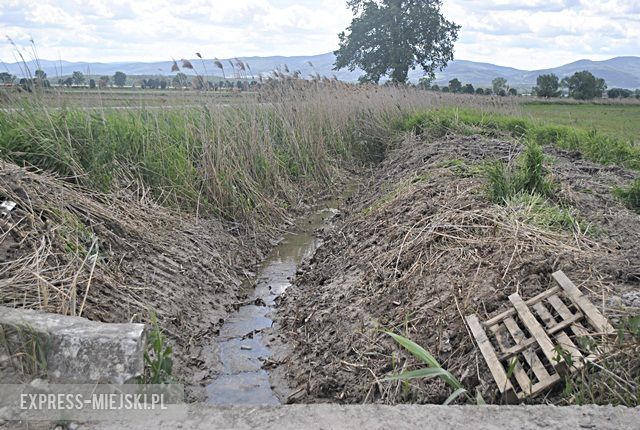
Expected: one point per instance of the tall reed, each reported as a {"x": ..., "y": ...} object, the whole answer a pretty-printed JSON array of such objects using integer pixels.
[{"x": 246, "y": 160}]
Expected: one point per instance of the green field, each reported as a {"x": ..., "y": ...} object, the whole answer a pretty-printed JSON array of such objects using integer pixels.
[{"x": 619, "y": 120}]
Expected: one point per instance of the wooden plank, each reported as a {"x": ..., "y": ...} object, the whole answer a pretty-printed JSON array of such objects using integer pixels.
[
  {"x": 544, "y": 385},
  {"x": 595, "y": 318},
  {"x": 517, "y": 349},
  {"x": 536, "y": 330},
  {"x": 489, "y": 355},
  {"x": 545, "y": 315},
  {"x": 567, "y": 344},
  {"x": 565, "y": 312},
  {"x": 571, "y": 321},
  {"x": 511, "y": 312},
  {"x": 518, "y": 371},
  {"x": 529, "y": 354},
  {"x": 566, "y": 323}
]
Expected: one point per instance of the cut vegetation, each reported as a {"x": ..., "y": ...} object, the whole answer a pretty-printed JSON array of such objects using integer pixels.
[{"x": 127, "y": 213}]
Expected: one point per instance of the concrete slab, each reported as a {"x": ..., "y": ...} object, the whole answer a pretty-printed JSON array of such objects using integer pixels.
[{"x": 372, "y": 417}]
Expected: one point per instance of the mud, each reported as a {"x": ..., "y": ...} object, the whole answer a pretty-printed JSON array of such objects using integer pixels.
[
  {"x": 120, "y": 257},
  {"x": 242, "y": 348},
  {"x": 421, "y": 247}
]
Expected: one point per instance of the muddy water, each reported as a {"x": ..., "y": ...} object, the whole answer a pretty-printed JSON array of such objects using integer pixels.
[{"x": 241, "y": 344}]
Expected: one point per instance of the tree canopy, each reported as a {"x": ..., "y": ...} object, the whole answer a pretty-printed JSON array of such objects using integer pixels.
[
  {"x": 391, "y": 37},
  {"x": 547, "y": 86},
  {"x": 584, "y": 86},
  {"x": 455, "y": 85},
  {"x": 499, "y": 86},
  {"x": 619, "y": 93},
  {"x": 120, "y": 79},
  {"x": 78, "y": 78}
]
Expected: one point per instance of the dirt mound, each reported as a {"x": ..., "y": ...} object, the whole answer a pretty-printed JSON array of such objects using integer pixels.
[
  {"x": 118, "y": 258},
  {"x": 421, "y": 246}
]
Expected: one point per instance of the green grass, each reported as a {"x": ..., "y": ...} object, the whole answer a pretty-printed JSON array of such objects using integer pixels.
[
  {"x": 621, "y": 121},
  {"x": 593, "y": 144},
  {"x": 630, "y": 195},
  {"x": 536, "y": 210},
  {"x": 527, "y": 176}
]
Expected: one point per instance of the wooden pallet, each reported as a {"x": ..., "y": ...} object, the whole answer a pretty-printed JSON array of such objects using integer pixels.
[{"x": 531, "y": 346}]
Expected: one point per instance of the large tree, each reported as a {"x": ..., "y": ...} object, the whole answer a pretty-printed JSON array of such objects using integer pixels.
[
  {"x": 391, "y": 37},
  {"x": 547, "y": 86},
  {"x": 120, "y": 79},
  {"x": 584, "y": 86},
  {"x": 455, "y": 85},
  {"x": 499, "y": 85},
  {"x": 78, "y": 78},
  {"x": 6, "y": 78}
]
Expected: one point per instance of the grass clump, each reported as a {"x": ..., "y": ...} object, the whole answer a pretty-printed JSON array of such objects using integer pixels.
[
  {"x": 157, "y": 357},
  {"x": 537, "y": 210},
  {"x": 527, "y": 176},
  {"x": 594, "y": 145},
  {"x": 614, "y": 378},
  {"x": 630, "y": 195}
]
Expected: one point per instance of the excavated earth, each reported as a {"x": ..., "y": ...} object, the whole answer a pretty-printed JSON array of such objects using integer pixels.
[
  {"x": 119, "y": 258},
  {"x": 420, "y": 246}
]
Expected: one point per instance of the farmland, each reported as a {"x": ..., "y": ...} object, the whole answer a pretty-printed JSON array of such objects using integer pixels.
[
  {"x": 622, "y": 120},
  {"x": 169, "y": 209}
]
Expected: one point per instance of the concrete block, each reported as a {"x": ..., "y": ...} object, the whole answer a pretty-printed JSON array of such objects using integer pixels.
[{"x": 74, "y": 349}]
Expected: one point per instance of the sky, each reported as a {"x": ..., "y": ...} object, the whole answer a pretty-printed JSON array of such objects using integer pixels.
[{"x": 532, "y": 34}]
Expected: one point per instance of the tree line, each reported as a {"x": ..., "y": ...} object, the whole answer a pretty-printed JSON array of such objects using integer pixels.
[
  {"x": 119, "y": 79},
  {"x": 499, "y": 87},
  {"x": 580, "y": 86}
]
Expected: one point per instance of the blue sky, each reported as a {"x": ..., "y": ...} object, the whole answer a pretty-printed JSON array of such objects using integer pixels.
[{"x": 525, "y": 34}]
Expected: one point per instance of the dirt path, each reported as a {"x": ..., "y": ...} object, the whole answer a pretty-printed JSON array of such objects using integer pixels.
[{"x": 421, "y": 246}]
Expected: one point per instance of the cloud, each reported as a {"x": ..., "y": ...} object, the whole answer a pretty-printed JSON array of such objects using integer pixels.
[{"x": 532, "y": 34}]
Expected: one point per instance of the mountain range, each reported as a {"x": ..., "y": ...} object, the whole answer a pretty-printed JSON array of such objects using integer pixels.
[{"x": 621, "y": 72}]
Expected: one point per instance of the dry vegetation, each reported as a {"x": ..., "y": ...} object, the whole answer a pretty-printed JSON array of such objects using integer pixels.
[{"x": 122, "y": 212}]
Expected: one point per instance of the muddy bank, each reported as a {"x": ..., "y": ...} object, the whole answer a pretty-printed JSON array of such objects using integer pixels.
[
  {"x": 421, "y": 246},
  {"x": 118, "y": 258}
]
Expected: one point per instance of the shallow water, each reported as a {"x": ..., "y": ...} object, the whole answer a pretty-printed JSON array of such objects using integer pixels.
[{"x": 242, "y": 349}]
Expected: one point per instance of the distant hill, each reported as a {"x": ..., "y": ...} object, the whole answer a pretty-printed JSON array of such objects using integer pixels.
[{"x": 618, "y": 72}]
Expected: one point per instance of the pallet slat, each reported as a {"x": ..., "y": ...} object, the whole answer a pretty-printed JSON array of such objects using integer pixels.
[
  {"x": 499, "y": 375},
  {"x": 518, "y": 371},
  {"x": 595, "y": 318},
  {"x": 576, "y": 328},
  {"x": 567, "y": 344},
  {"x": 529, "y": 354},
  {"x": 539, "y": 334},
  {"x": 545, "y": 315},
  {"x": 511, "y": 312},
  {"x": 540, "y": 325}
]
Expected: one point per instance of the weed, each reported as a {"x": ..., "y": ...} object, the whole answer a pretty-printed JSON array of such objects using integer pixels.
[
  {"x": 614, "y": 378},
  {"x": 630, "y": 195},
  {"x": 433, "y": 370},
  {"x": 529, "y": 176},
  {"x": 157, "y": 357},
  {"x": 594, "y": 145},
  {"x": 27, "y": 350},
  {"x": 537, "y": 210}
]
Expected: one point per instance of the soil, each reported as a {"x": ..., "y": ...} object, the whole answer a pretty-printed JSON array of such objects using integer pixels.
[
  {"x": 148, "y": 259},
  {"x": 421, "y": 246}
]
